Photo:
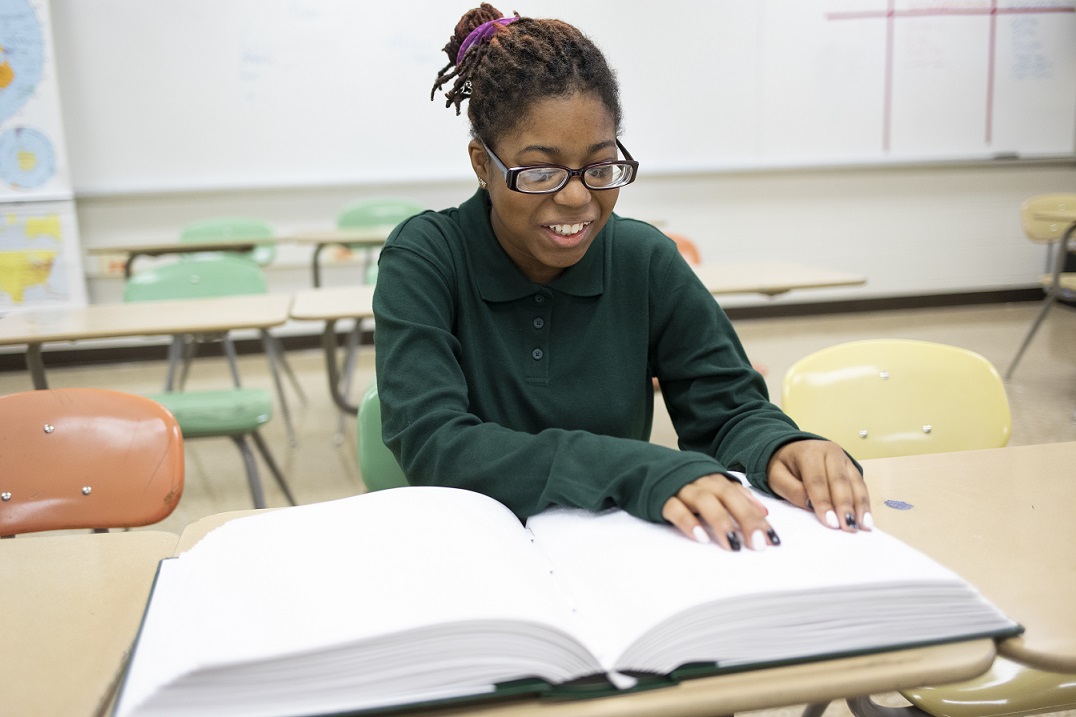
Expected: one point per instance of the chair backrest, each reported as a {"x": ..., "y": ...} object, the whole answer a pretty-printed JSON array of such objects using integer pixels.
[
  {"x": 370, "y": 213},
  {"x": 376, "y": 463},
  {"x": 1045, "y": 230},
  {"x": 234, "y": 229},
  {"x": 204, "y": 277},
  {"x": 893, "y": 397},
  {"x": 86, "y": 458},
  {"x": 687, "y": 248}
]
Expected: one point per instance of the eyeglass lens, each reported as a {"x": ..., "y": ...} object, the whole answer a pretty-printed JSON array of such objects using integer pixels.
[{"x": 545, "y": 179}]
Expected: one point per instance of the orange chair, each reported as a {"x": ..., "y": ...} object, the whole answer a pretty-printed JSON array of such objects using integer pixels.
[
  {"x": 73, "y": 458},
  {"x": 688, "y": 249}
]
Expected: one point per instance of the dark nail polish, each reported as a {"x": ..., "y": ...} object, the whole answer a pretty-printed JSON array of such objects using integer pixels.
[
  {"x": 850, "y": 519},
  {"x": 773, "y": 536},
  {"x": 734, "y": 542}
]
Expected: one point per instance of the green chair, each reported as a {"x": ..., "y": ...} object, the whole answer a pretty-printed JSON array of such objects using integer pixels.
[
  {"x": 382, "y": 214},
  {"x": 377, "y": 464},
  {"x": 204, "y": 277},
  {"x": 236, "y": 413},
  {"x": 890, "y": 397},
  {"x": 225, "y": 229}
]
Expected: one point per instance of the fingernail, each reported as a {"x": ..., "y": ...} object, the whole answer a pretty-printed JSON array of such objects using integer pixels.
[
  {"x": 810, "y": 505},
  {"x": 850, "y": 521},
  {"x": 758, "y": 540},
  {"x": 831, "y": 519},
  {"x": 773, "y": 536},
  {"x": 734, "y": 540},
  {"x": 868, "y": 521},
  {"x": 700, "y": 535}
]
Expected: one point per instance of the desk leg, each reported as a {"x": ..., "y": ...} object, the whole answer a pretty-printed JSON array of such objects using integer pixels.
[
  {"x": 316, "y": 265},
  {"x": 35, "y": 364},
  {"x": 275, "y": 359},
  {"x": 328, "y": 344}
]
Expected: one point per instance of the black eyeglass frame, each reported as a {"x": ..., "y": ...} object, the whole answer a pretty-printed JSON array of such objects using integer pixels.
[{"x": 511, "y": 174}]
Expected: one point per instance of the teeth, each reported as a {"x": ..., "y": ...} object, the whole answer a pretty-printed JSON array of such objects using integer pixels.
[{"x": 568, "y": 229}]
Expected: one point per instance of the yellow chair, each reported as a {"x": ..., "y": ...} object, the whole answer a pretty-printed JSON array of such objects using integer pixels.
[
  {"x": 74, "y": 458},
  {"x": 376, "y": 463},
  {"x": 892, "y": 397},
  {"x": 897, "y": 397},
  {"x": 1049, "y": 218}
]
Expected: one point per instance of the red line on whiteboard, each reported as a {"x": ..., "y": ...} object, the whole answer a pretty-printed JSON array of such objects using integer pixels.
[
  {"x": 888, "y": 101},
  {"x": 991, "y": 58},
  {"x": 890, "y": 14}
]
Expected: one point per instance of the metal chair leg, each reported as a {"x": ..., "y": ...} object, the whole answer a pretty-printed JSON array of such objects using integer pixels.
[
  {"x": 273, "y": 467},
  {"x": 271, "y": 353},
  {"x": 350, "y": 355},
  {"x": 252, "y": 470},
  {"x": 815, "y": 710},
  {"x": 1046, "y": 304}
]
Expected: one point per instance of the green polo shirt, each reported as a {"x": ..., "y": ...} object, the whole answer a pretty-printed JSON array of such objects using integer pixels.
[{"x": 541, "y": 395}]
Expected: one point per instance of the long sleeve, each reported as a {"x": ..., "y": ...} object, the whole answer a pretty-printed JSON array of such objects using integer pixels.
[{"x": 541, "y": 395}]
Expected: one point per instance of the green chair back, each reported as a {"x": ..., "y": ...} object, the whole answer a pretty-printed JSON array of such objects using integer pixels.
[
  {"x": 233, "y": 229},
  {"x": 377, "y": 464},
  {"x": 204, "y": 277},
  {"x": 385, "y": 213}
]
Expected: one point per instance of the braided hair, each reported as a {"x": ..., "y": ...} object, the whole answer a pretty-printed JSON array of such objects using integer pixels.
[{"x": 519, "y": 64}]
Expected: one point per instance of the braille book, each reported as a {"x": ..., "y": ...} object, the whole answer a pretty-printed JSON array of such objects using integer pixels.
[{"x": 419, "y": 595}]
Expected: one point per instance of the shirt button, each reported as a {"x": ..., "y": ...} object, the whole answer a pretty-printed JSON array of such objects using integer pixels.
[
  {"x": 539, "y": 299},
  {"x": 538, "y": 322},
  {"x": 537, "y": 354}
]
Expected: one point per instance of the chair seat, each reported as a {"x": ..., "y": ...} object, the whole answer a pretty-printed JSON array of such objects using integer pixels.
[
  {"x": 1006, "y": 689},
  {"x": 229, "y": 411},
  {"x": 1066, "y": 282}
]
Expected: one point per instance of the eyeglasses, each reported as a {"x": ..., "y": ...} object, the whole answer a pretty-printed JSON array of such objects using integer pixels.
[{"x": 551, "y": 178}]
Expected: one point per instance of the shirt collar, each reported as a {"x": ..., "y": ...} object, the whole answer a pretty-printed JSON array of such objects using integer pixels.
[{"x": 499, "y": 279}]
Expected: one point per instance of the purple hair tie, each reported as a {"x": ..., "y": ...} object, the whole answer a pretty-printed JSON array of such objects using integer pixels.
[{"x": 482, "y": 33}]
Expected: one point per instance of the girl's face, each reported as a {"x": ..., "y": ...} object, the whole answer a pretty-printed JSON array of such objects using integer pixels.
[{"x": 546, "y": 233}]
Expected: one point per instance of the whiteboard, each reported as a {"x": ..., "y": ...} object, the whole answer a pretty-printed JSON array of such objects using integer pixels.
[{"x": 208, "y": 94}]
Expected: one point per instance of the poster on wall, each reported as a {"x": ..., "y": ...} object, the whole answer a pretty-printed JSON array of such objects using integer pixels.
[{"x": 40, "y": 257}]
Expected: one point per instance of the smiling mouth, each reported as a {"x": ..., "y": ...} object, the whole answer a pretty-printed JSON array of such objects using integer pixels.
[{"x": 567, "y": 230}]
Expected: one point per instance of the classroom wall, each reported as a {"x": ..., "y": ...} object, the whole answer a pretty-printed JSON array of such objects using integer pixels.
[
  {"x": 787, "y": 136},
  {"x": 911, "y": 230}
]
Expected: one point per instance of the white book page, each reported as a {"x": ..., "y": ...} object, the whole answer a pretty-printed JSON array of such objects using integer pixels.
[
  {"x": 298, "y": 579},
  {"x": 627, "y": 575}
]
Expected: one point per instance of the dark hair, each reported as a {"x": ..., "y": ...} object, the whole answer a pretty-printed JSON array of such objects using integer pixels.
[{"x": 521, "y": 63}]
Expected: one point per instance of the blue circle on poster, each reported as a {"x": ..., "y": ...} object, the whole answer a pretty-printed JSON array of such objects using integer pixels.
[{"x": 27, "y": 159}]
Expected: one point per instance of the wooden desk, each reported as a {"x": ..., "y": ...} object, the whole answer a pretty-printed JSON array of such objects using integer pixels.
[
  {"x": 133, "y": 251},
  {"x": 71, "y": 606},
  {"x": 331, "y": 305},
  {"x": 151, "y": 318},
  {"x": 1003, "y": 519},
  {"x": 367, "y": 238},
  {"x": 770, "y": 278}
]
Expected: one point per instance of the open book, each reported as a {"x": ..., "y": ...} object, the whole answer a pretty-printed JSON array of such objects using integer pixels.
[{"x": 416, "y": 595}]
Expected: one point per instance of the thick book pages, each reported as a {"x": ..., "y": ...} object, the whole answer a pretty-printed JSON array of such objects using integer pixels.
[{"x": 418, "y": 595}]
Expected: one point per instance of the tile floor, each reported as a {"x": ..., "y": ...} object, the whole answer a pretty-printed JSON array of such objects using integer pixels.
[{"x": 323, "y": 465}]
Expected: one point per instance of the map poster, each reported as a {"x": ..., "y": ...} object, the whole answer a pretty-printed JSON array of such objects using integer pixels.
[
  {"x": 33, "y": 156},
  {"x": 39, "y": 256}
]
